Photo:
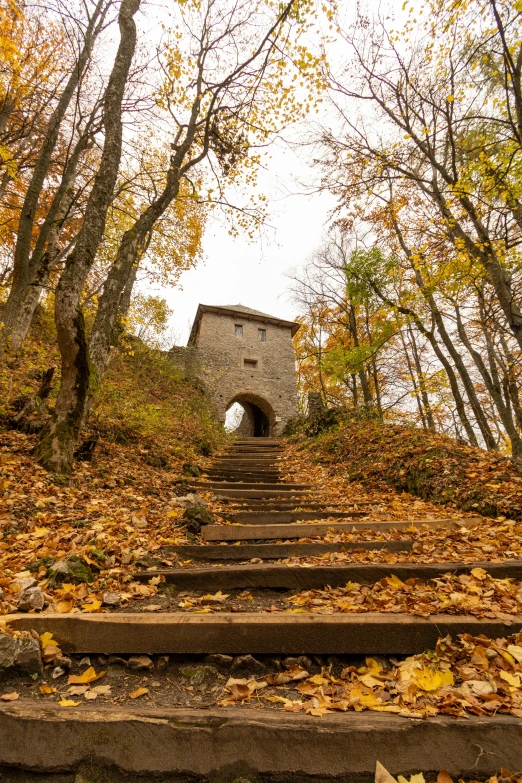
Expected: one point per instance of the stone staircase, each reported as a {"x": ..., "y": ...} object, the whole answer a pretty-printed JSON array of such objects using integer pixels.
[{"x": 223, "y": 744}]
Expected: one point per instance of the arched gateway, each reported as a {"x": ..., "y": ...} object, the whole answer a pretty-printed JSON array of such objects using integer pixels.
[{"x": 247, "y": 357}]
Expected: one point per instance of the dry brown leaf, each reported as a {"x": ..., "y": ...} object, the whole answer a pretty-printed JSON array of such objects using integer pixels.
[{"x": 138, "y": 693}]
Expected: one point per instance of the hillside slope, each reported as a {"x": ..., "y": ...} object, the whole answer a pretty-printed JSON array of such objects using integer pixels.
[{"x": 431, "y": 466}]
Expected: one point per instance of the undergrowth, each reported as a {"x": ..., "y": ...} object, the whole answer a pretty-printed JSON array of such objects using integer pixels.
[
  {"x": 431, "y": 466},
  {"x": 145, "y": 405}
]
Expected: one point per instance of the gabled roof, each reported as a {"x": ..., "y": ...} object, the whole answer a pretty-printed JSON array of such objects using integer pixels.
[{"x": 239, "y": 310}]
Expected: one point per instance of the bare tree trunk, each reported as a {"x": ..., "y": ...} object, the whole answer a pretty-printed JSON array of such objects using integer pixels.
[
  {"x": 58, "y": 440},
  {"x": 494, "y": 389},
  {"x": 42, "y": 261},
  {"x": 22, "y": 276},
  {"x": 413, "y": 382},
  {"x": 361, "y": 373},
  {"x": 420, "y": 379}
]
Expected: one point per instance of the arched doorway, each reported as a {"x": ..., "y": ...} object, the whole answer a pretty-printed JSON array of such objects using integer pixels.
[{"x": 249, "y": 416}]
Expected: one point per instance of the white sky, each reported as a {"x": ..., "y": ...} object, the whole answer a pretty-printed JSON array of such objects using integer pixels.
[{"x": 252, "y": 272}]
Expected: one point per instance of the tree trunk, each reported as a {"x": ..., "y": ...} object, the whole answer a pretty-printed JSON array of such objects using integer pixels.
[
  {"x": 420, "y": 378},
  {"x": 414, "y": 383},
  {"x": 22, "y": 276},
  {"x": 361, "y": 373},
  {"x": 494, "y": 389},
  {"x": 58, "y": 440},
  {"x": 43, "y": 261}
]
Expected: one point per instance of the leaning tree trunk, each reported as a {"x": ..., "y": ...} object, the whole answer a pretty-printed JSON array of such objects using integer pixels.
[{"x": 57, "y": 441}]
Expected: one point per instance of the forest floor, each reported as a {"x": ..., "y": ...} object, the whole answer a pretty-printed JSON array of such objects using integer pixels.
[{"x": 120, "y": 514}]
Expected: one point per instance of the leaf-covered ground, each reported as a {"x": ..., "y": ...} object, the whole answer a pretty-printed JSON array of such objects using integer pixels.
[
  {"x": 149, "y": 421},
  {"x": 431, "y": 466},
  {"x": 461, "y": 677}
]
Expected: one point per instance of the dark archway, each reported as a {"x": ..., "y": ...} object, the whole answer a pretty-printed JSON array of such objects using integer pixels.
[{"x": 257, "y": 419}]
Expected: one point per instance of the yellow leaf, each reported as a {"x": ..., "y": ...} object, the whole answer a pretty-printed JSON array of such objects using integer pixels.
[
  {"x": 46, "y": 639},
  {"x": 394, "y": 581},
  {"x": 89, "y": 675},
  {"x": 68, "y": 703},
  {"x": 370, "y": 681},
  {"x": 479, "y": 573},
  {"x": 511, "y": 679},
  {"x": 63, "y": 607},
  {"x": 516, "y": 652},
  {"x": 10, "y": 696},
  {"x": 429, "y": 680},
  {"x": 46, "y": 689},
  {"x": 39, "y": 532},
  {"x": 92, "y": 607},
  {"x": 318, "y": 679},
  {"x": 219, "y": 597},
  {"x": 138, "y": 692}
]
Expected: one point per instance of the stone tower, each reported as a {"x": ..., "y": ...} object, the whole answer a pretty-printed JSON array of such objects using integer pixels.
[{"x": 246, "y": 356}]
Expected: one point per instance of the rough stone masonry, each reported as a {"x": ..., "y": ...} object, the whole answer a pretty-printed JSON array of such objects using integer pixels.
[{"x": 246, "y": 356}]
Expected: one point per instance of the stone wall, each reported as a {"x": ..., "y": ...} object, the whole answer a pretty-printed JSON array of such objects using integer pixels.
[{"x": 221, "y": 355}]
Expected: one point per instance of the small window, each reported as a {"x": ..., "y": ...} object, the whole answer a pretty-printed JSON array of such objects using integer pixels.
[
  {"x": 261, "y": 335},
  {"x": 238, "y": 330},
  {"x": 250, "y": 363}
]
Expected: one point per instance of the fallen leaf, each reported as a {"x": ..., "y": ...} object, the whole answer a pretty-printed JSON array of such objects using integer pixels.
[
  {"x": 68, "y": 703},
  {"x": 46, "y": 689},
  {"x": 89, "y": 675},
  {"x": 92, "y": 607},
  {"x": 138, "y": 692},
  {"x": 10, "y": 696},
  {"x": 382, "y": 775},
  {"x": 64, "y": 607}
]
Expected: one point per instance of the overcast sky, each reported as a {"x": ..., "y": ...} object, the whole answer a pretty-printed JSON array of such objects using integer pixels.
[
  {"x": 254, "y": 273},
  {"x": 238, "y": 271}
]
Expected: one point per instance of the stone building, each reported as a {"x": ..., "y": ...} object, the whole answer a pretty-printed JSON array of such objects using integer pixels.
[{"x": 246, "y": 356}]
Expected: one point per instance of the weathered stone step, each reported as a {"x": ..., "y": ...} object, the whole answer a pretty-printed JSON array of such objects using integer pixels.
[
  {"x": 289, "y": 531},
  {"x": 242, "y": 471},
  {"x": 250, "y": 477},
  {"x": 180, "y": 632},
  {"x": 261, "y": 485},
  {"x": 276, "y": 551},
  {"x": 262, "y": 493},
  {"x": 283, "y": 517},
  {"x": 142, "y": 742},
  {"x": 248, "y": 450},
  {"x": 259, "y": 440},
  {"x": 281, "y": 576},
  {"x": 265, "y": 505},
  {"x": 252, "y": 465}
]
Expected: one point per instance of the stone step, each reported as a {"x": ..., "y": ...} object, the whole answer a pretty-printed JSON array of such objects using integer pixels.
[
  {"x": 244, "y": 475},
  {"x": 262, "y": 493},
  {"x": 276, "y": 576},
  {"x": 248, "y": 473},
  {"x": 285, "y": 517},
  {"x": 259, "y": 440},
  {"x": 367, "y": 633},
  {"x": 261, "y": 485},
  {"x": 145, "y": 742},
  {"x": 267, "y": 506},
  {"x": 289, "y": 531},
  {"x": 248, "y": 450},
  {"x": 235, "y": 462},
  {"x": 276, "y": 551}
]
